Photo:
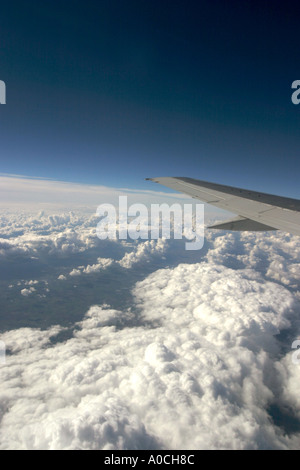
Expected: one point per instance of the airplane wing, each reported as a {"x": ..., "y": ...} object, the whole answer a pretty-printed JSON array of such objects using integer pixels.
[{"x": 256, "y": 211}]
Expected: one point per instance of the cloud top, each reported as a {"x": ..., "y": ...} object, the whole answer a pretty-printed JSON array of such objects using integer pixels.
[{"x": 197, "y": 373}]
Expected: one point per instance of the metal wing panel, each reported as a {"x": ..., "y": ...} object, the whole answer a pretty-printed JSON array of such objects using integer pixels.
[
  {"x": 272, "y": 211},
  {"x": 241, "y": 224},
  {"x": 282, "y": 219}
]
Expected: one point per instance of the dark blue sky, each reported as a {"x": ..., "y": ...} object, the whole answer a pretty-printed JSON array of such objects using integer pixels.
[{"x": 111, "y": 92}]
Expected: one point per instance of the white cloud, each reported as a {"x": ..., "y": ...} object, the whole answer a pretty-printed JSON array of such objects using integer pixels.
[
  {"x": 276, "y": 254},
  {"x": 27, "y": 292},
  {"x": 31, "y": 234},
  {"x": 75, "y": 272},
  {"x": 198, "y": 372},
  {"x": 142, "y": 252},
  {"x": 42, "y": 194},
  {"x": 25, "y": 234},
  {"x": 289, "y": 374},
  {"x": 102, "y": 263}
]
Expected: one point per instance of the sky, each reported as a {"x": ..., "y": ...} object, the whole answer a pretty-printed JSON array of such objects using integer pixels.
[{"x": 112, "y": 92}]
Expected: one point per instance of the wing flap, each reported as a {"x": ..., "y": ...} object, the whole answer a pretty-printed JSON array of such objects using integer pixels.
[{"x": 242, "y": 224}]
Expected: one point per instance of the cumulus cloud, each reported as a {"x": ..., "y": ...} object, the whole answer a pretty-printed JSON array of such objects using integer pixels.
[
  {"x": 27, "y": 292},
  {"x": 29, "y": 235},
  {"x": 275, "y": 254},
  {"x": 100, "y": 265},
  {"x": 143, "y": 251},
  {"x": 195, "y": 365},
  {"x": 33, "y": 235},
  {"x": 75, "y": 272}
]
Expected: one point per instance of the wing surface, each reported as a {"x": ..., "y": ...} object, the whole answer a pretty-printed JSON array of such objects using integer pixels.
[{"x": 256, "y": 211}]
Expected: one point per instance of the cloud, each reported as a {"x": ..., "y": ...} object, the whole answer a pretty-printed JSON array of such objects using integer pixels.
[
  {"x": 37, "y": 193},
  {"x": 27, "y": 292},
  {"x": 275, "y": 254},
  {"x": 289, "y": 376},
  {"x": 142, "y": 252},
  {"x": 194, "y": 364},
  {"x": 75, "y": 272},
  {"x": 31, "y": 234},
  {"x": 101, "y": 265}
]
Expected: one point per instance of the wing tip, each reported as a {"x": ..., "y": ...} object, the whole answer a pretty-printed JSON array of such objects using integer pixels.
[{"x": 151, "y": 179}]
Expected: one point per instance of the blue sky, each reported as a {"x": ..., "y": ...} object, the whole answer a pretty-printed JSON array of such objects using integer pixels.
[{"x": 112, "y": 92}]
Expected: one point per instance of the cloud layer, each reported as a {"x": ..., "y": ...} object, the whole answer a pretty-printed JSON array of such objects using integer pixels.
[
  {"x": 28, "y": 193},
  {"x": 199, "y": 372},
  {"x": 200, "y": 360}
]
